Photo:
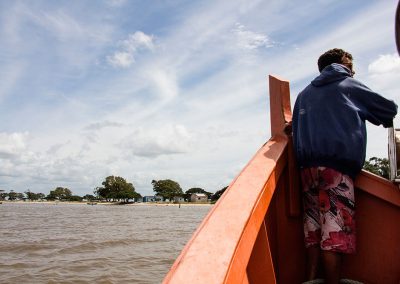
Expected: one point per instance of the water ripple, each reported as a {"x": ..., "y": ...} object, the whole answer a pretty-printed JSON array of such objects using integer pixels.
[{"x": 43, "y": 243}]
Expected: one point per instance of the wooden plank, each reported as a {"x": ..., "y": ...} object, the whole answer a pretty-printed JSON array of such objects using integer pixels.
[
  {"x": 294, "y": 191},
  {"x": 378, "y": 187},
  {"x": 280, "y": 109},
  {"x": 260, "y": 269},
  {"x": 246, "y": 280},
  {"x": 245, "y": 244},
  {"x": 378, "y": 233}
]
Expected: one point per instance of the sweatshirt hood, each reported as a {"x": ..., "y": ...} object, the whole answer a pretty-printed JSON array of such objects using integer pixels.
[{"x": 331, "y": 73}]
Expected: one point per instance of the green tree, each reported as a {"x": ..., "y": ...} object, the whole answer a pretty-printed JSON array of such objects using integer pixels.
[
  {"x": 60, "y": 193},
  {"x": 89, "y": 197},
  {"x": 40, "y": 196},
  {"x": 33, "y": 196},
  {"x": 103, "y": 193},
  {"x": 218, "y": 194},
  {"x": 378, "y": 166},
  {"x": 167, "y": 188},
  {"x": 30, "y": 195},
  {"x": 12, "y": 195},
  {"x": 192, "y": 190},
  {"x": 116, "y": 188},
  {"x": 75, "y": 198}
]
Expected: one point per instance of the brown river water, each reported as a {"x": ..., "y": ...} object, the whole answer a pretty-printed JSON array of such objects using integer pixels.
[{"x": 79, "y": 243}]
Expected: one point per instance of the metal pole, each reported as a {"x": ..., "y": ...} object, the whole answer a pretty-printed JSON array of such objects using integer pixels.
[{"x": 397, "y": 27}]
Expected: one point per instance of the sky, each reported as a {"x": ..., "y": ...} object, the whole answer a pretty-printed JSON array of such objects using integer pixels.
[{"x": 172, "y": 89}]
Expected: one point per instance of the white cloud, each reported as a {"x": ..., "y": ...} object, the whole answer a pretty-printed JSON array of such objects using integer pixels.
[
  {"x": 12, "y": 145},
  {"x": 384, "y": 74},
  {"x": 10, "y": 74},
  {"x": 246, "y": 5},
  {"x": 137, "y": 41},
  {"x": 103, "y": 124},
  {"x": 121, "y": 59},
  {"x": 66, "y": 27},
  {"x": 383, "y": 77},
  {"x": 125, "y": 56},
  {"x": 247, "y": 39},
  {"x": 385, "y": 64},
  {"x": 116, "y": 3},
  {"x": 163, "y": 83},
  {"x": 61, "y": 25},
  {"x": 45, "y": 35},
  {"x": 166, "y": 140}
]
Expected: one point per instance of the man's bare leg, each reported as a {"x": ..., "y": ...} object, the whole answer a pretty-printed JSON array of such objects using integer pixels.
[
  {"x": 332, "y": 262},
  {"x": 313, "y": 254}
]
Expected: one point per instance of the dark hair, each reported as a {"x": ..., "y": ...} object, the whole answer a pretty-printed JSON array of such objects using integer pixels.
[{"x": 334, "y": 55}]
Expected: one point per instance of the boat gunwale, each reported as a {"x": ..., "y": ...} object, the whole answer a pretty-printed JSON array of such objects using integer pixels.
[{"x": 265, "y": 163}]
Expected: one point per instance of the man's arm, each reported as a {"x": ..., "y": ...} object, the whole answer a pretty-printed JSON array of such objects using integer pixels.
[{"x": 374, "y": 107}]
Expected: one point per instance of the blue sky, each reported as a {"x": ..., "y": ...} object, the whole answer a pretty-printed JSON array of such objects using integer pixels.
[{"x": 166, "y": 89}]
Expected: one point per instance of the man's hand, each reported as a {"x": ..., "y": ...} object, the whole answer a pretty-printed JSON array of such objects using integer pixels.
[{"x": 288, "y": 128}]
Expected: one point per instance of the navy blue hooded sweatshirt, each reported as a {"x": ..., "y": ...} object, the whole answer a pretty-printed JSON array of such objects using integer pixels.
[{"x": 329, "y": 120}]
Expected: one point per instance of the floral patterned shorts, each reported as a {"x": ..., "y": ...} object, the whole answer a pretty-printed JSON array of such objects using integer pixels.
[{"x": 328, "y": 200}]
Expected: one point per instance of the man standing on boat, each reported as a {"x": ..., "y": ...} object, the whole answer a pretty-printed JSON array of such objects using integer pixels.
[{"x": 330, "y": 139}]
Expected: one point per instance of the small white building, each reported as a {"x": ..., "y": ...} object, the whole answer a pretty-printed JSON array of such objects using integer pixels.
[
  {"x": 158, "y": 198},
  {"x": 198, "y": 197},
  {"x": 148, "y": 198},
  {"x": 179, "y": 199}
]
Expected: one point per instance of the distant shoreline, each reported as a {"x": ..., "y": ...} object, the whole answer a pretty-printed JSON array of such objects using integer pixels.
[{"x": 106, "y": 203}]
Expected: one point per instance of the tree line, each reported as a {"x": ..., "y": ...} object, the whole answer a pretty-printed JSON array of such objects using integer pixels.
[{"x": 112, "y": 189}]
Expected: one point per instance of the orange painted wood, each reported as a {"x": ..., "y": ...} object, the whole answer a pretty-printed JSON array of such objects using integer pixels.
[
  {"x": 285, "y": 234},
  {"x": 378, "y": 187},
  {"x": 281, "y": 116},
  {"x": 378, "y": 232},
  {"x": 250, "y": 232},
  {"x": 260, "y": 268},
  {"x": 294, "y": 193},
  {"x": 291, "y": 255},
  {"x": 246, "y": 280},
  {"x": 221, "y": 247},
  {"x": 280, "y": 109}
]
